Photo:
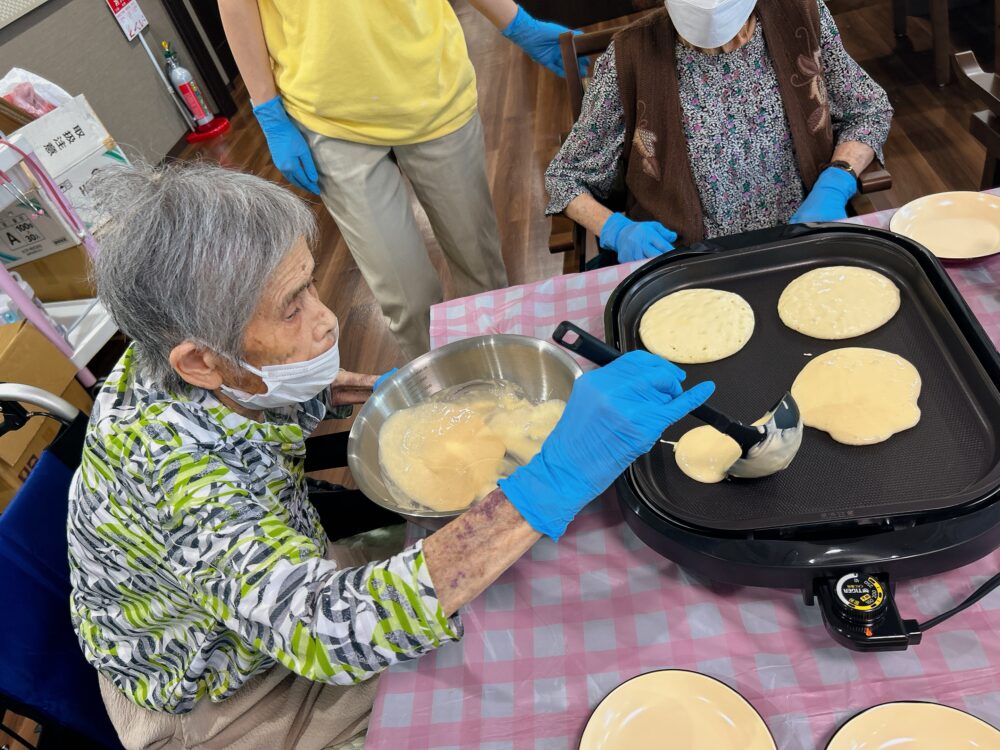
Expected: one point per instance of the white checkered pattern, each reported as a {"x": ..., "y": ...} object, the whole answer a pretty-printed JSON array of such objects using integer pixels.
[{"x": 572, "y": 620}]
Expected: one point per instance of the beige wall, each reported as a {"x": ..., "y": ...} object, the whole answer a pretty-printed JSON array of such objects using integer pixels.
[{"x": 77, "y": 44}]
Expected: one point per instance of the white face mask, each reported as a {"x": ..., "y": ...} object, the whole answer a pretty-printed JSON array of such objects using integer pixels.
[
  {"x": 709, "y": 23},
  {"x": 290, "y": 384}
]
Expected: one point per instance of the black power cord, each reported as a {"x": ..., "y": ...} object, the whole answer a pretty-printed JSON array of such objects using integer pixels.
[
  {"x": 16, "y": 416},
  {"x": 978, "y": 594}
]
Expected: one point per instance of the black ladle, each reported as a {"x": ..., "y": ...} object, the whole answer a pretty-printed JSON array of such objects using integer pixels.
[{"x": 765, "y": 449}]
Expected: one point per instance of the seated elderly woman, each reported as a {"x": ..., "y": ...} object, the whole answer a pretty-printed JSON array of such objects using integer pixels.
[
  {"x": 721, "y": 116},
  {"x": 206, "y": 590}
]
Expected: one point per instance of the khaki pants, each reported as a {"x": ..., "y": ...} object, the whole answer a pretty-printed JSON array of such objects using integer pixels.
[
  {"x": 276, "y": 710},
  {"x": 365, "y": 193}
]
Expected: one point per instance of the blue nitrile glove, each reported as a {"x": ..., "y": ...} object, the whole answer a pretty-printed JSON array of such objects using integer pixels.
[
  {"x": 614, "y": 415},
  {"x": 636, "y": 240},
  {"x": 540, "y": 40},
  {"x": 289, "y": 150},
  {"x": 827, "y": 201},
  {"x": 383, "y": 377}
]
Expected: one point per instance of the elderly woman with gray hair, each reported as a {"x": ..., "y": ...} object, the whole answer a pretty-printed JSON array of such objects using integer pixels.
[{"x": 206, "y": 590}]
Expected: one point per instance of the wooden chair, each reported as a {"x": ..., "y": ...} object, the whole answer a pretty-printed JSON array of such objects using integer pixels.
[
  {"x": 575, "y": 238},
  {"x": 568, "y": 236},
  {"x": 940, "y": 16},
  {"x": 985, "y": 125},
  {"x": 940, "y": 28}
]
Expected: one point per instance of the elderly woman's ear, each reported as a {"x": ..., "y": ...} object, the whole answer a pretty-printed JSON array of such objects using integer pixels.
[{"x": 197, "y": 366}]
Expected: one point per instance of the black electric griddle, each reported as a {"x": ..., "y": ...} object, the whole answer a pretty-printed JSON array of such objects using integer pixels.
[{"x": 925, "y": 501}]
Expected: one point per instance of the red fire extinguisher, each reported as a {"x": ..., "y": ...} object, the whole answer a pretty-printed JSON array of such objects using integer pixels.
[{"x": 207, "y": 125}]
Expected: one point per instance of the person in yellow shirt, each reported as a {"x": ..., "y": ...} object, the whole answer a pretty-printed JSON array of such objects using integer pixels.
[{"x": 354, "y": 94}]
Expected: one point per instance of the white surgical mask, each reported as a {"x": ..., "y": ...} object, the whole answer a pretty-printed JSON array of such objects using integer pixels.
[
  {"x": 709, "y": 23},
  {"x": 290, "y": 384}
]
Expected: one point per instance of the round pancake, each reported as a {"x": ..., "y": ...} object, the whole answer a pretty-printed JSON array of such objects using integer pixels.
[
  {"x": 838, "y": 302},
  {"x": 705, "y": 454},
  {"x": 694, "y": 326},
  {"x": 860, "y": 396}
]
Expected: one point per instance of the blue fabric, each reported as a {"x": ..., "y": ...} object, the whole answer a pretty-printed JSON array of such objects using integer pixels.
[{"x": 41, "y": 664}]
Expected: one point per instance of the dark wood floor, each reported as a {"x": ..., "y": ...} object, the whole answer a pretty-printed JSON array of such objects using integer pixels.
[
  {"x": 929, "y": 148},
  {"x": 524, "y": 109}
]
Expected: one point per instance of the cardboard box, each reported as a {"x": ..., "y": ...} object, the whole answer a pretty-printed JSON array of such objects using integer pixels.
[
  {"x": 12, "y": 117},
  {"x": 8, "y": 123},
  {"x": 6, "y": 494},
  {"x": 73, "y": 182},
  {"x": 72, "y": 145},
  {"x": 25, "y": 237},
  {"x": 27, "y": 357},
  {"x": 60, "y": 277},
  {"x": 66, "y": 136}
]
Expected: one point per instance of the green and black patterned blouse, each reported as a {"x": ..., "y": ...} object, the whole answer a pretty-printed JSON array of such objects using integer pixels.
[{"x": 197, "y": 560}]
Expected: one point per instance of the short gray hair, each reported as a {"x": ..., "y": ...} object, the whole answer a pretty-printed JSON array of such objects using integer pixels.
[{"x": 185, "y": 253}]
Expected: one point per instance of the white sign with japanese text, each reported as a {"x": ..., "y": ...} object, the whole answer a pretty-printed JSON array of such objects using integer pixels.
[
  {"x": 129, "y": 16},
  {"x": 66, "y": 136}
]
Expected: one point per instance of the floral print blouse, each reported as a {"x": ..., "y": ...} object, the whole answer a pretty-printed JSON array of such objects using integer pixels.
[{"x": 738, "y": 139}]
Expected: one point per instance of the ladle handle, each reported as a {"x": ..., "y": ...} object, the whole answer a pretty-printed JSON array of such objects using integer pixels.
[
  {"x": 590, "y": 347},
  {"x": 586, "y": 345},
  {"x": 746, "y": 436}
]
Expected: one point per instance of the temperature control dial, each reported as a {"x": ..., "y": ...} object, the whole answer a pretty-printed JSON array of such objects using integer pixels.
[{"x": 862, "y": 598}]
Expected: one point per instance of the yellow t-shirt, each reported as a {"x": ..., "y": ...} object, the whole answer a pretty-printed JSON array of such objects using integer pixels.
[{"x": 386, "y": 72}]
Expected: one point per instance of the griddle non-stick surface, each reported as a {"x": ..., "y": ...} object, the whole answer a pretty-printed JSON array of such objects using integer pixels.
[{"x": 951, "y": 458}]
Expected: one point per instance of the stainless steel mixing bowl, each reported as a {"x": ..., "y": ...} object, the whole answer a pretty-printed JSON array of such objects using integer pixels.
[{"x": 542, "y": 369}]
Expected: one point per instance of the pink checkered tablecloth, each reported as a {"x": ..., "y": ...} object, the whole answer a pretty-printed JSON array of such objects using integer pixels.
[{"x": 572, "y": 620}]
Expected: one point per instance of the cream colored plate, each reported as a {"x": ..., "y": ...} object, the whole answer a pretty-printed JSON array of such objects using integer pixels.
[
  {"x": 672, "y": 708},
  {"x": 915, "y": 726},
  {"x": 953, "y": 226}
]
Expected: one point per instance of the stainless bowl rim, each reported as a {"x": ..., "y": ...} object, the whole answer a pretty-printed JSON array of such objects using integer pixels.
[{"x": 404, "y": 372}]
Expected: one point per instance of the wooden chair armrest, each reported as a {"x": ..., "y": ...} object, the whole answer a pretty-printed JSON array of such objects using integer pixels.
[
  {"x": 975, "y": 80},
  {"x": 874, "y": 179},
  {"x": 561, "y": 234}
]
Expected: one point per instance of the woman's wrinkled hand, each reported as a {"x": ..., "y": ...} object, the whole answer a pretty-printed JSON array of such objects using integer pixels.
[{"x": 351, "y": 388}]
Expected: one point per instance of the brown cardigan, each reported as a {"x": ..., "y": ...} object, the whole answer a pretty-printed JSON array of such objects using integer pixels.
[{"x": 658, "y": 178}]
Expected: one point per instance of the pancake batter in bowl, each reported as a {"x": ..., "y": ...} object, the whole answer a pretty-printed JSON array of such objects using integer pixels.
[{"x": 449, "y": 451}]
